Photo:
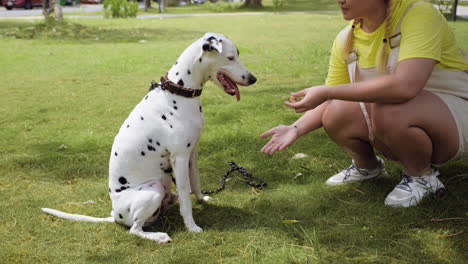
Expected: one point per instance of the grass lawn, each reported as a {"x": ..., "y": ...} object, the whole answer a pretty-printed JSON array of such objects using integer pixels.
[
  {"x": 231, "y": 7},
  {"x": 64, "y": 95}
]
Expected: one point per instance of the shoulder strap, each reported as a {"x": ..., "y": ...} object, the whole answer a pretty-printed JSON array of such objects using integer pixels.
[{"x": 396, "y": 37}]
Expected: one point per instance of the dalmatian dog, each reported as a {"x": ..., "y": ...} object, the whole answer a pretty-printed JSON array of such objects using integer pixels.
[{"x": 160, "y": 137}]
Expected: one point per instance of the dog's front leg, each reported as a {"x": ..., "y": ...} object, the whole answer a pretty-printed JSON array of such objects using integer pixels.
[
  {"x": 195, "y": 178},
  {"x": 180, "y": 166}
]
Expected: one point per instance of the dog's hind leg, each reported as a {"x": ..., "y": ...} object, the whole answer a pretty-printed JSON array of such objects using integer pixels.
[
  {"x": 180, "y": 165},
  {"x": 137, "y": 205},
  {"x": 137, "y": 229}
]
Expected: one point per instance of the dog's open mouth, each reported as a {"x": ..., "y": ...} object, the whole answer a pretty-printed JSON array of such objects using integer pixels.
[{"x": 230, "y": 87}]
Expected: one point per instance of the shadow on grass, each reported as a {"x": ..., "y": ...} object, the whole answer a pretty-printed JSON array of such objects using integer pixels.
[
  {"x": 333, "y": 219},
  {"x": 88, "y": 34},
  {"x": 66, "y": 162}
]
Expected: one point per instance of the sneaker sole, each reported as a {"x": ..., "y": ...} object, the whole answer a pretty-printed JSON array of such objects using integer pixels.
[
  {"x": 412, "y": 201},
  {"x": 382, "y": 174}
]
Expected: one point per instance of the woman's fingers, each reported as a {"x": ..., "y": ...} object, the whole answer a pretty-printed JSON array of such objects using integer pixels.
[
  {"x": 301, "y": 93},
  {"x": 268, "y": 133},
  {"x": 298, "y": 106},
  {"x": 270, "y": 147}
]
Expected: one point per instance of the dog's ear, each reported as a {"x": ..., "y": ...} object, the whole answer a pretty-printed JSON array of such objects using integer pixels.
[{"x": 211, "y": 43}]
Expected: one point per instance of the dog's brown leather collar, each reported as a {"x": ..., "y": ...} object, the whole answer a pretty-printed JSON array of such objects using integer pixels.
[{"x": 174, "y": 88}]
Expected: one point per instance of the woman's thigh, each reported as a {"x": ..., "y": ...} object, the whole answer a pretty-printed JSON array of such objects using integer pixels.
[{"x": 427, "y": 112}]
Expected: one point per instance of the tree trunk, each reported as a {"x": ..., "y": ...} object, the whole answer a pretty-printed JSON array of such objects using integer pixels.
[
  {"x": 253, "y": 3},
  {"x": 46, "y": 10},
  {"x": 58, "y": 11},
  {"x": 147, "y": 5},
  {"x": 162, "y": 5},
  {"x": 454, "y": 10}
]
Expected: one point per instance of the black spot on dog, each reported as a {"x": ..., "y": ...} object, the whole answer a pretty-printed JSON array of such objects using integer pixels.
[
  {"x": 128, "y": 210},
  {"x": 188, "y": 145},
  {"x": 140, "y": 189},
  {"x": 146, "y": 97},
  {"x": 177, "y": 73},
  {"x": 170, "y": 126},
  {"x": 163, "y": 117},
  {"x": 243, "y": 77},
  {"x": 142, "y": 118},
  {"x": 238, "y": 53},
  {"x": 174, "y": 102},
  {"x": 176, "y": 63},
  {"x": 189, "y": 72},
  {"x": 128, "y": 126},
  {"x": 115, "y": 154},
  {"x": 200, "y": 60},
  {"x": 151, "y": 148},
  {"x": 142, "y": 153},
  {"x": 118, "y": 190},
  {"x": 110, "y": 190},
  {"x": 201, "y": 109},
  {"x": 122, "y": 180},
  {"x": 123, "y": 188},
  {"x": 120, "y": 216},
  {"x": 168, "y": 170},
  {"x": 180, "y": 82},
  {"x": 175, "y": 107},
  {"x": 150, "y": 140},
  {"x": 162, "y": 156},
  {"x": 171, "y": 113},
  {"x": 157, "y": 143}
]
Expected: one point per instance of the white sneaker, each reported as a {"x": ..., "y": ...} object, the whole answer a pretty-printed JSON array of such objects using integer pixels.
[
  {"x": 411, "y": 190},
  {"x": 353, "y": 173}
]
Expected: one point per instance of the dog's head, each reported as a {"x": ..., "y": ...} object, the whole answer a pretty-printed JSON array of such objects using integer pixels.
[{"x": 226, "y": 70}]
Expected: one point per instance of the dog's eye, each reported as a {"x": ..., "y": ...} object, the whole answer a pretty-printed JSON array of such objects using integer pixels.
[{"x": 231, "y": 58}]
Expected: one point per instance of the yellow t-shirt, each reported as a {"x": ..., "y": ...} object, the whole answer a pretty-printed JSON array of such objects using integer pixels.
[{"x": 425, "y": 33}]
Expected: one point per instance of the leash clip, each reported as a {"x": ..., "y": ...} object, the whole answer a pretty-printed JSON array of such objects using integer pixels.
[{"x": 155, "y": 85}]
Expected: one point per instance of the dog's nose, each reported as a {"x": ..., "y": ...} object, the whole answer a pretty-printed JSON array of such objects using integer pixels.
[{"x": 252, "y": 79}]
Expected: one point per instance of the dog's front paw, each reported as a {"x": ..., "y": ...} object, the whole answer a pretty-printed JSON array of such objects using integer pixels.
[
  {"x": 161, "y": 238},
  {"x": 205, "y": 199},
  {"x": 195, "y": 229}
]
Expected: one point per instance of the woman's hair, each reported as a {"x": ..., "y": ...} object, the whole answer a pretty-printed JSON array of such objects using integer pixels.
[{"x": 382, "y": 57}]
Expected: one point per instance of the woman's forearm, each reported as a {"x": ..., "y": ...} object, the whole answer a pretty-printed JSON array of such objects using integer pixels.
[
  {"x": 311, "y": 120},
  {"x": 408, "y": 80},
  {"x": 385, "y": 89}
]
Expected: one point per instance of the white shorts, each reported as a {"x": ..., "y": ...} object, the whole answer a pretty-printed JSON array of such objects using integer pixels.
[{"x": 459, "y": 109}]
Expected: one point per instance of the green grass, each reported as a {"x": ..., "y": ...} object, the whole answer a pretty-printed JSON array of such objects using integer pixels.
[
  {"x": 223, "y": 7},
  {"x": 75, "y": 87}
]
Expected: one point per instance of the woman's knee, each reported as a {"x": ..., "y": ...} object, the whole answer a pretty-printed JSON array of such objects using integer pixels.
[{"x": 340, "y": 116}]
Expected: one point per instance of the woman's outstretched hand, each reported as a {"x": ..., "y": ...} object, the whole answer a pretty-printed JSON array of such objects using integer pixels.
[
  {"x": 310, "y": 98},
  {"x": 282, "y": 137}
]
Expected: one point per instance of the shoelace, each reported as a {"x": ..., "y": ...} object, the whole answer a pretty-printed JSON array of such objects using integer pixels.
[
  {"x": 404, "y": 184},
  {"x": 347, "y": 171}
]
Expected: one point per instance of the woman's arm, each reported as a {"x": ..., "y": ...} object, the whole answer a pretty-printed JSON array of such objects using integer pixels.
[
  {"x": 409, "y": 79},
  {"x": 284, "y": 136}
]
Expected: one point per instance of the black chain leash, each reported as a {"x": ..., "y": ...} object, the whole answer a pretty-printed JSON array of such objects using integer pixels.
[{"x": 248, "y": 177}]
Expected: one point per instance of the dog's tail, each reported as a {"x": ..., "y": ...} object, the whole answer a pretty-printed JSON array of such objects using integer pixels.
[{"x": 77, "y": 217}]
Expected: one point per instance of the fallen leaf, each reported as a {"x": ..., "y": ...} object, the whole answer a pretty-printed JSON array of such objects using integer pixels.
[
  {"x": 299, "y": 156},
  {"x": 290, "y": 222}
]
